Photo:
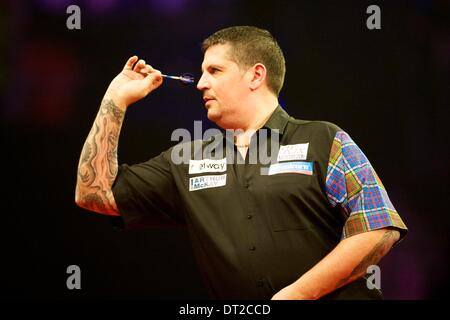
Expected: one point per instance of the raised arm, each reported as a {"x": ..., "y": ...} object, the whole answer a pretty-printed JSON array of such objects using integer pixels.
[{"x": 98, "y": 165}]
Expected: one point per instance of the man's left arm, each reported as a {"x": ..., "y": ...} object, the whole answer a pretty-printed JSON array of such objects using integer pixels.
[
  {"x": 371, "y": 228},
  {"x": 347, "y": 262}
]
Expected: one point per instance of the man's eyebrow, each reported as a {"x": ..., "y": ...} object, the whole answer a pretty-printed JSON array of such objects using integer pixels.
[{"x": 212, "y": 66}]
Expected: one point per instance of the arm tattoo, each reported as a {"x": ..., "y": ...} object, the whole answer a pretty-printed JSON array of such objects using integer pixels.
[
  {"x": 108, "y": 107},
  {"x": 98, "y": 165},
  {"x": 373, "y": 257},
  {"x": 95, "y": 201}
]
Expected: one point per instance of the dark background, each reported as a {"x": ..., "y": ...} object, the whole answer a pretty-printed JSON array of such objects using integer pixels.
[{"x": 388, "y": 88}]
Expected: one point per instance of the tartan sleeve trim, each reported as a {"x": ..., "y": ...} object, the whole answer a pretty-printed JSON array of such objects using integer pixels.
[
  {"x": 353, "y": 184},
  {"x": 364, "y": 221}
]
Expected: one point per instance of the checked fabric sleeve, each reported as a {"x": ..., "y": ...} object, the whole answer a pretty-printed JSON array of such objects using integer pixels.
[{"x": 353, "y": 184}]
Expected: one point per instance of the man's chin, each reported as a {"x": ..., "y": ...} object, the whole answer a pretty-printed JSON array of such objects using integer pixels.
[{"x": 213, "y": 115}]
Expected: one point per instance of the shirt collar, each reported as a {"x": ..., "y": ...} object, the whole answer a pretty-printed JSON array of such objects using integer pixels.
[{"x": 278, "y": 120}]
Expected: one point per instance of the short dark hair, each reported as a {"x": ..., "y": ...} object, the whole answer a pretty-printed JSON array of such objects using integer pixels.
[{"x": 251, "y": 45}]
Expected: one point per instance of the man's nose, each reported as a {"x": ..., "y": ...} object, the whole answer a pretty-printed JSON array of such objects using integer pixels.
[{"x": 202, "y": 84}]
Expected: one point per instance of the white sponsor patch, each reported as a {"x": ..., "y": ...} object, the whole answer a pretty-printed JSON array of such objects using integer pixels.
[
  {"x": 293, "y": 152},
  {"x": 207, "y": 165},
  {"x": 301, "y": 167},
  {"x": 203, "y": 182}
]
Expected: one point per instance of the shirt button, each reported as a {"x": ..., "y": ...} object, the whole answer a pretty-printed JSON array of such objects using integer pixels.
[
  {"x": 260, "y": 283},
  {"x": 249, "y": 216},
  {"x": 252, "y": 248}
]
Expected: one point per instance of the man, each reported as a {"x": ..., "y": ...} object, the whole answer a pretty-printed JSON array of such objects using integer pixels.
[{"x": 305, "y": 226}]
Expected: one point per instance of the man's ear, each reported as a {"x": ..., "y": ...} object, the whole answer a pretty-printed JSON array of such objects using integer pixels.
[{"x": 258, "y": 73}]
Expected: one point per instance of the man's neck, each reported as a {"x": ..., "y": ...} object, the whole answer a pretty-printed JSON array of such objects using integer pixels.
[
  {"x": 259, "y": 112},
  {"x": 260, "y": 115}
]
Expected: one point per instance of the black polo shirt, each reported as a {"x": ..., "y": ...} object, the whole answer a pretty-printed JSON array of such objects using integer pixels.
[{"x": 252, "y": 233}]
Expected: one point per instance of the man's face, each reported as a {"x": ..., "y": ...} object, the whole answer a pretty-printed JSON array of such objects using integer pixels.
[{"x": 224, "y": 86}]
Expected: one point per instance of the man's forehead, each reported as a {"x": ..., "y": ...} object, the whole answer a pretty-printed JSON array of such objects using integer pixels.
[{"x": 217, "y": 55}]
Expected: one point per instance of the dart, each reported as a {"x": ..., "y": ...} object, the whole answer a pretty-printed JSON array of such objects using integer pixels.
[{"x": 185, "y": 78}]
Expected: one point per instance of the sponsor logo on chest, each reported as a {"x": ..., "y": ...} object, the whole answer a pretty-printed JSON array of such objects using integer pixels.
[
  {"x": 301, "y": 167},
  {"x": 293, "y": 152},
  {"x": 207, "y": 165},
  {"x": 204, "y": 182}
]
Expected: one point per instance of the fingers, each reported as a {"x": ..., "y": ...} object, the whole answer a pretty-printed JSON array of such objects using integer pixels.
[
  {"x": 154, "y": 79},
  {"x": 139, "y": 66},
  {"x": 147, "y": 69},
  {"x": 130, "y": 62}
]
